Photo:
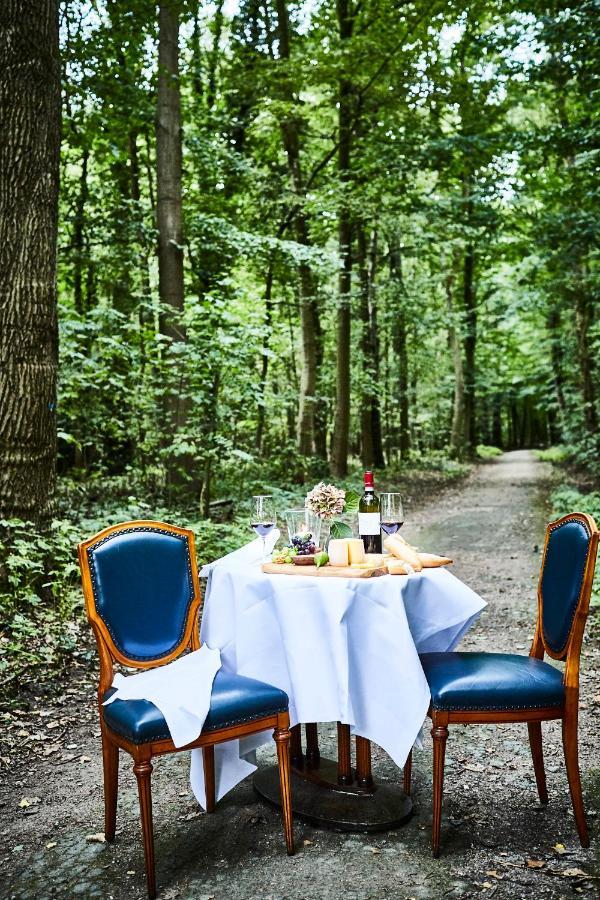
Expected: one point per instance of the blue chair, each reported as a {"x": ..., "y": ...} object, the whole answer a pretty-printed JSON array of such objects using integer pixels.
[
  {"x": 479, "y": 688},
  {"x": 142, "y": 598}
]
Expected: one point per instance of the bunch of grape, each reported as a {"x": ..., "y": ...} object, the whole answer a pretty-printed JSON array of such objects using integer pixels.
[
  {"x": 304, "y": 544},
  {"x": 285, "y": 555}
]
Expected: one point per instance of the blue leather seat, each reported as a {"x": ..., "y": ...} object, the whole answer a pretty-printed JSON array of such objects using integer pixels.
[
  {"x": 491, "y": 681},
  {"x": 234, "y": 700}
]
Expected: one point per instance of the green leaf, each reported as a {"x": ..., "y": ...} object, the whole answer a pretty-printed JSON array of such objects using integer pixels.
[
  {"x": 351, "y": 503},
  {"x": 340, "y": 530},
  {"x": 321, "y": 559}
]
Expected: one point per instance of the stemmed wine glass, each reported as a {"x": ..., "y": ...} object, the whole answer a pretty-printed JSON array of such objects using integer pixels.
[
  {"x": 392, "y": 512},
  {"x": 263, "y": 519}
]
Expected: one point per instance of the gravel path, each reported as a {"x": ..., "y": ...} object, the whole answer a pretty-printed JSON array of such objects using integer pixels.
[{"x": 497, "y": 840}]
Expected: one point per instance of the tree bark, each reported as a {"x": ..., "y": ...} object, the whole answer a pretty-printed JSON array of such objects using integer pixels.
[
  {"x": 79, "y": 233},
  {"x": 309, "y": 316},
  {"x": 264, "y": 366},
  {"x": 341, "y": 431},
  {"x": 583, "y": 321},
  {"x": 29, "y": 174},
  {"x": 457, "y": 431},
  {"x": 470, "y": 343},
  {"x": 168, "y": 174},
  {"x": 370, "y": 416},
  {"x": 399, "y": 348}
]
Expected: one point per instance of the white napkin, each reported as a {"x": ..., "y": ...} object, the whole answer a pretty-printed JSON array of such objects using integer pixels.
[
  {"x": 246, "y": 556},
  {"x": 181, "y": 690}
]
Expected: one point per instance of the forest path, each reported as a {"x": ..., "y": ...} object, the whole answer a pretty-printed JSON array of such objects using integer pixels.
[{"x": 492, "y": 523}]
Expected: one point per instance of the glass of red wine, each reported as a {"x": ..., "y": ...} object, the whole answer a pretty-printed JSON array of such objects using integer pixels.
[
  {"x": 392, "y": 512},
  {"x": 263, "y": 519}
]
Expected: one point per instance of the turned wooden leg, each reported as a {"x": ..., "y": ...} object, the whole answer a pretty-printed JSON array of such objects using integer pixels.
[
  {"x": 282, "y": 740},
  {"x": 344, "y": 759},
  {"x": 313, "y": 754},
  {"x": 408, "y": 774},
  {"x": 296, "y": 746},
  {"x": 110, "y": 764},
  {"x": 537, "y": 754},
  {"x": 570, "y": 745},
  {"x": 363, "y": 762},
  {"x": 143, "y": 770},
  {"x": 208, "y": 759},
  {"x": 439, "y": 733}
]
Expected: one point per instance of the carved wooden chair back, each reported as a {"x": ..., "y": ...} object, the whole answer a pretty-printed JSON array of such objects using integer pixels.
[
  {"x": 564, "y": 591},
  {"x": 142, "y": 594}
]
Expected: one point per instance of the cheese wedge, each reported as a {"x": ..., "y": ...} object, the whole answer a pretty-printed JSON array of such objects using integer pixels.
[
  {"x": 356, "y": 550},
  {"x": 374, "y": 559},
  {"x": 337, "y": 551},
  {"x": 431, "y": 561},
  {"x": 402, "y": 550}
]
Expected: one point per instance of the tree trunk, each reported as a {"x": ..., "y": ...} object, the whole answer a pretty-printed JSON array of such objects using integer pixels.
[
  {"x": 556, "y": 357},
  {"x": 78, "y": 233},
  {"x": 368, "y": 374},
  {"x": 309, "y": 317},
  {"x": 583, "y": 322},
  {"x": 399, "y": 348},
  {"x": 264, "y": 366},
  {"x": 457, "y": 431},
  {"x": 470, "y": 341},
  {"x": 29, "y": 173},
  {"x": 168, "y": 174},
  {"x": 341, "y": 431},
  {"x": 213, "y": 59}
]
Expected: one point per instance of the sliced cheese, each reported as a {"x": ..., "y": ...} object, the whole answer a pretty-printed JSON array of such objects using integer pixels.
[
  {"x": 337, "y": 551},
  {"x": 356, "y": 550}
]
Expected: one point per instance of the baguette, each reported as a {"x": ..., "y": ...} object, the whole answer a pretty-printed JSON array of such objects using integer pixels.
[
  {"x": 431, "y": 561},
  {"x": 403, "y": 551},
  {"x": 398, "y": 567}
]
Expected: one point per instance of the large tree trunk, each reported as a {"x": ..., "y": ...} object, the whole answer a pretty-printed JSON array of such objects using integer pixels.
[
  {"x": 29, "y": 173},
  {"x": 309, "y": 318},
  {"x": 370, "y": 416},
  {"x": 339, "y": 451}
]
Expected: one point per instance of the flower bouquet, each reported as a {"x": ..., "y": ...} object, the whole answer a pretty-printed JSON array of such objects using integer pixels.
[{"x": 328, "y": 502}]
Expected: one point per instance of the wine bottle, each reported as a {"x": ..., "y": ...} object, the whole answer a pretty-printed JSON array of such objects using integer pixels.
[{"x": 369, "y": 526}]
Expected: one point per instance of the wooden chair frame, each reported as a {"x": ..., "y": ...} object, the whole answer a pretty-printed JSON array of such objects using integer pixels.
[
  {"x": 143, "y": 753},
  {"x": 568, "y": 712}
]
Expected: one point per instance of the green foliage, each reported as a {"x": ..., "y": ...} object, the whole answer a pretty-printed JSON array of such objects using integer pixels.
[
  {"x": 566, "y": 499},
  {"x": 486, "y": 452},
  {"x": 561, "y": 453}
]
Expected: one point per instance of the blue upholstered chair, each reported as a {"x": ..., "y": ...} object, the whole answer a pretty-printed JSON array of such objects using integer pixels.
[
  {"x": 502, "y": 687},
  {"x": 142, "y": 598}
]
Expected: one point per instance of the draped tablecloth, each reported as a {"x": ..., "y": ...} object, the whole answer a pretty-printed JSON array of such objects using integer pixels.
[{"x": 343, "y": 649}]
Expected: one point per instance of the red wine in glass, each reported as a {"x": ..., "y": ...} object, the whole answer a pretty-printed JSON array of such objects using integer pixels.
[
  {"x": 392, "y": 513},
  {"x": 263, "y": 518},
  {"x": 391, "y": 527},
  {"x": 263, "y": 528}
]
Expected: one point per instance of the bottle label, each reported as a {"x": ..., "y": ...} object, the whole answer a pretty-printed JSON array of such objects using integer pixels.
[{"x": 369, "y": 523}]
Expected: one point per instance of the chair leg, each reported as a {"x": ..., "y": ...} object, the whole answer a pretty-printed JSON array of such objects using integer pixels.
[
  {"x": 408, "y": 774},
  {"x": 439, "y": 733},
  {"x": 208, "y": 758},
  {"x": 537, "y": 754},
  {"x": 110, "y": 764},
  {"x": 570, "y": 745},
  {"x": 143, "y": 770},
  {"x": 282, "y": 739}
]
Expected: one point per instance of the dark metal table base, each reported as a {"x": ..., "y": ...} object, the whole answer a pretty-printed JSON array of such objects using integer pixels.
[{"x": 319, "y": 799}]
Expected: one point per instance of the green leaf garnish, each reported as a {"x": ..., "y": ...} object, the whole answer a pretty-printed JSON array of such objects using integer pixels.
[
  {"x": 321, "y": 559},
  {"x": 351, "y": 502},
  {"x": 340, "y": 530}
]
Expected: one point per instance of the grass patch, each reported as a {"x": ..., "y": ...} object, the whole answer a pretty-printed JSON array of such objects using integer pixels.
[
  {"x": 561, "y": 453},
  {"x": 566, "y": 499},
  {"x": 485, "y": 451}
]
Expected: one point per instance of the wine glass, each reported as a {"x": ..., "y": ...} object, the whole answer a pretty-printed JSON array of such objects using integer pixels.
[
  {"x": 263, "y": 518},
  {"x": 392, "y": 512}
]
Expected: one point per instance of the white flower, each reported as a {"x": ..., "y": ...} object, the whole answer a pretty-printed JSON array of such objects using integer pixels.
[{"x": 325, "y": 500}]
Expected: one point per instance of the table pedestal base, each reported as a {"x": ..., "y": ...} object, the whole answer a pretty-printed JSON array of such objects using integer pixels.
[{"x": 319, "y": 799}]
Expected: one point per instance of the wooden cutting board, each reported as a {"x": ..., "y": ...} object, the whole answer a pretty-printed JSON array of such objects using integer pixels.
[{"x": 323, "y": 571}]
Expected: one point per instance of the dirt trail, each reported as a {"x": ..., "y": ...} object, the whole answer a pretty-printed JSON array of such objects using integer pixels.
[{"x": 493, "y": 525}]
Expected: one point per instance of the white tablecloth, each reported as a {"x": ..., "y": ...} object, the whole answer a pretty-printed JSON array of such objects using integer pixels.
[{"x": 343, "y": 649}]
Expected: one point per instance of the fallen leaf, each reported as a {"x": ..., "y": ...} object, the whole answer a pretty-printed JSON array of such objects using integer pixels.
[
  {"x": 559, "y": 849},
  {"x": 574, "y": 873},
  {"x": 307, "y": 843},
  {"x": 130, "y": 872},
  {"x": 98, "y": 838},
  {"x": 28, "y": 801},
  {"x": 487, "y": 884},
  {"x": 535, "y": 864},
  {"x": 84, "y": 759},
  {"x": 50, "y": 845},
  {"x": 494, "y": 874}
]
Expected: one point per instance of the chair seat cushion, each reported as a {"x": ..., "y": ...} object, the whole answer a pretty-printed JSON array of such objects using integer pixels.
[
  {"x": 234, "y": 701},
  {"x": 491, "y": 681}
]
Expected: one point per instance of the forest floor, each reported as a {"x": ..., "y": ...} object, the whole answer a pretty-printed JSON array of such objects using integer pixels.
[{"x": 497, "y": 840}]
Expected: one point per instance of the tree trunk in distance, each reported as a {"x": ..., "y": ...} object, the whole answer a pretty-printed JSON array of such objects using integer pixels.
[
  {"x": 78, "y": 232},
  {"x": 583, "y": 322},
  {"x": 339, "y": 451},
  {"x": 168, "y": 173},
  {"x": 457, "y": 432},
  {"x": 309, "y": 317},
  {"x": 264, "y": 366},
  {"x": 470, "y": 342},
  {"x": 366, "y": 400},
  {"x": 399, "y": 346},
  {"x": 29, "y": 173}
]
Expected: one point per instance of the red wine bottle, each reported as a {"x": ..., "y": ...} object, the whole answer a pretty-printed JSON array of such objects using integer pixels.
[{"x": 369, "y": 519}]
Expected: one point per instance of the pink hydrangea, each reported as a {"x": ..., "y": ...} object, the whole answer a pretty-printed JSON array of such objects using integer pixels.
[{"x": 325, "y": 500}]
